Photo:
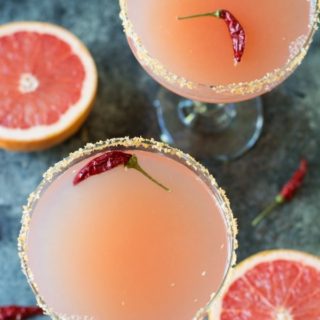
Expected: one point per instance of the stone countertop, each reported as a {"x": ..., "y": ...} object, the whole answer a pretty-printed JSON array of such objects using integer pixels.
[{"x": 123, "y": 107}]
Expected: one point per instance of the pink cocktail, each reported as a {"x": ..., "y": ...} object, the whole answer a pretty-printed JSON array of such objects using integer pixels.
[
  {"x": 194, "y": 58},
  {"x": 119, "y": 246}
]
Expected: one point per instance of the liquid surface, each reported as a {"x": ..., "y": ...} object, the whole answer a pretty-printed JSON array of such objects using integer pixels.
[
  {"x": 118, "y": 246},
  {"x": 201, "y": 49}
]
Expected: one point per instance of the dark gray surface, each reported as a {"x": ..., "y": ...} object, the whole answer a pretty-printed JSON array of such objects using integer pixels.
[{"x": 123, "y": 107}]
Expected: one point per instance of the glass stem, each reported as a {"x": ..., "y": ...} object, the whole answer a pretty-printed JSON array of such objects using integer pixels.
[{"x": 206, "y": 118}]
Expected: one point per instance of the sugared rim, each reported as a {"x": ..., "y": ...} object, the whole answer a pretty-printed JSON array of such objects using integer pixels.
[
  {"x": 247, "y": 264},
  {"x": 241, "y": 88},
  {"x": 136, "y": 143}
]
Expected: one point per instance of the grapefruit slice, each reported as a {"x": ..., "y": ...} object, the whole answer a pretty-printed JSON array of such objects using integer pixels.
[
  {"x": 272, "y": 285},
  {"x": 48, "y": 82}
]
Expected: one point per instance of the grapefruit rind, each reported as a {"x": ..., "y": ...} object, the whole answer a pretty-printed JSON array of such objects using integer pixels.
[
  {"x": 45, "y": 136},
  {"x": 265, "y": 256}
]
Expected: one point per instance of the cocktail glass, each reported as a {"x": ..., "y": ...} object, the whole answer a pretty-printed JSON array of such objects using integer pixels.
[
  {"x": 193, "y": 58},
  {"x": 117, "y": 246}
]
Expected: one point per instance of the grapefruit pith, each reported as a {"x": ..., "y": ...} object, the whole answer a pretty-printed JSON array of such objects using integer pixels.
[
  {"x": 48, "y": 82},
  {"x": 272, "y": 285}
]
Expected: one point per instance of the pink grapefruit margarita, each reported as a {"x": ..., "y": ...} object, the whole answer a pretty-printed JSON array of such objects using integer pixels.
[
  {"x": 118, "y": 246},
  {"x": 194, "y": 58}
]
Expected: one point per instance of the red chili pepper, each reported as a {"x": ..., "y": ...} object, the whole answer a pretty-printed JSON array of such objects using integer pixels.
[
  {"x": 237, "y": 34},
  {"x": 236, "y": 31},
  {"x": 108, "y": 161},
  {"x": 102, "y": 163},
  {"x": 14, "y": 312},
  {"x": 289, "y": 189},
  {"x": 287, "y": 192}
]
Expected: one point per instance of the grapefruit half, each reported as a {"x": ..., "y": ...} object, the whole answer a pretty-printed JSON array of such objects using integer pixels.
[
  {"x": 48, "y": 83},
  {"x": 272, "y": 285}
]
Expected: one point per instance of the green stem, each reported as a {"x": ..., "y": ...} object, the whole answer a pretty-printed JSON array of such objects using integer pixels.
[
  {"x": 277, "y": 202},
  {"x": 134, "y": 164},
  {"x": 215, "y": 14}
]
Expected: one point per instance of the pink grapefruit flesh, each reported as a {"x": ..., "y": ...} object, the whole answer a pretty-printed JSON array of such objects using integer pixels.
[
  {"x": 272, "y": 285},
  {"x": 48, "y": 83}
]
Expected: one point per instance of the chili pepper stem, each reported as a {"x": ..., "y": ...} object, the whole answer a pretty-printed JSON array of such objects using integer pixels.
[
  {"x": 134, "y": 164},
  {"x": 215, "y": 14},
  {"x": 277, "y": 202}
]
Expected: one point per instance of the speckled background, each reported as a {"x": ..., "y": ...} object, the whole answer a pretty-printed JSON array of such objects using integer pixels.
[{"x": 123, "y": 107}]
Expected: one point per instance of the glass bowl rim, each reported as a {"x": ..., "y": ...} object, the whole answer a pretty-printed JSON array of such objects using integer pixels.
[
  {"x": 137, "y": 143},
  {"x": 251, "y": 88}
]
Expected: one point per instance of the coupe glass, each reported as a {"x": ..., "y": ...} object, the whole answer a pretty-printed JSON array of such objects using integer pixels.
[
  {"x": 212, "y": 121},
  {"x": 68, "y": 165}
]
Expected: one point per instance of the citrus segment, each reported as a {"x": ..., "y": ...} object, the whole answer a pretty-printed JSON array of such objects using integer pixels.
[
  {"x": 48, "y": 83},
  {"x": 273, "y": 285}
]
